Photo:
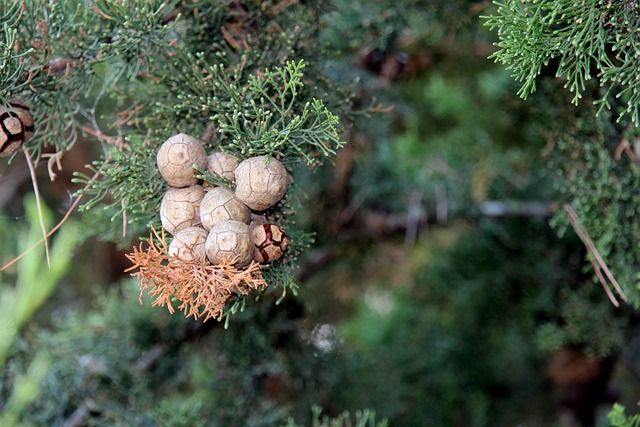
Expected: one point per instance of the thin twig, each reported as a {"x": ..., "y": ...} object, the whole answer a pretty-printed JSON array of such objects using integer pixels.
[
  {"x": 100, "y": 12},
  {"x": 124, "y": 117},
  {"x": 54, "y": 159},
  {"x": 101, "y": 136},
  {"x": 624, "y": 147},
  {"x": 591, "y": 247},
  {"x": 59, "y": 224},
  {"x": 34, "y": 181},
  {"x": 602, "y": 280},
  {"x": 124, "y": 218}
]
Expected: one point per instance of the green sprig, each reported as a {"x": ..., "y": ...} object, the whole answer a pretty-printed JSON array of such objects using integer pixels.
[
  {"x": 579, "y": 38},
  {"x": 264, "y": 113}
]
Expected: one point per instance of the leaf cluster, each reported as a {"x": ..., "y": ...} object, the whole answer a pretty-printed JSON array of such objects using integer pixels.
[
  {"x": 263, "y": 113},
  {"x": 53, "y": 53},
  {"x": 125, "y": 201},
  {"x": 584, "y": 320},
  {"x": 619, "y": 418},
  {"x": 591, "y": 47},
  {"x": 577, "y": 40},
  {"x": 598, "y": 175}
]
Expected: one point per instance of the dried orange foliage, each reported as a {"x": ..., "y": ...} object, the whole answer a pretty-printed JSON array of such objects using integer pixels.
[{"x": 203, "y": 289}]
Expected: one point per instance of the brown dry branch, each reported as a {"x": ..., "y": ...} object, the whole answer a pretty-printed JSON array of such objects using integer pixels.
[
  {"x": 34, "y": 181},
  {"x": 624, "y": 147},
  {"x": 202, "y": 289},
  {"x": 596, "y": 259}
]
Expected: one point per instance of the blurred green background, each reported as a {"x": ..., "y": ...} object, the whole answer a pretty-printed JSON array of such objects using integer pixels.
[{"x": 436, "y": 293}]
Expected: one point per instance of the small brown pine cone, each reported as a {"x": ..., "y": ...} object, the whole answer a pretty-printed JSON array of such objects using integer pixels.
[
  {"x": 270, "y": 242},
  {"x": 16, "y": 126}
]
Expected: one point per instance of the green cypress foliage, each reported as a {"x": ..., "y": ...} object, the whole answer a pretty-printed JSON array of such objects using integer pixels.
[
  {"x": 585, "y": 40},
  {"x": 589, "y": 48}
]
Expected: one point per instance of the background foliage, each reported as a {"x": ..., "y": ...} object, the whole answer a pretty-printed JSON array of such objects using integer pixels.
[{"x": 445, "y": 285}]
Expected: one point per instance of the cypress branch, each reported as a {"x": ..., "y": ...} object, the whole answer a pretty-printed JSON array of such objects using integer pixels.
[{"x": 586, "y": 40}]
